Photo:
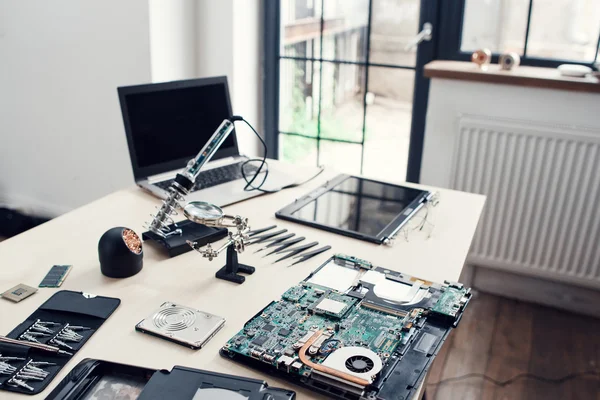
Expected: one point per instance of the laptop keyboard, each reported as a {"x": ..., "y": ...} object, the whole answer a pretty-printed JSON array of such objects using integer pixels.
[{"x": 215, "y": 176}]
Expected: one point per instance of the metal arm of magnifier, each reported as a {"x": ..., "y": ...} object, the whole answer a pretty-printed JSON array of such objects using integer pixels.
[{"x": 211, "y": 215}]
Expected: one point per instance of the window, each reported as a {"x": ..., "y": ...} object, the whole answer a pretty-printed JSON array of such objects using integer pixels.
[
  {"x": 566, "y": 30},
  {"x": 346, "y": 83}
]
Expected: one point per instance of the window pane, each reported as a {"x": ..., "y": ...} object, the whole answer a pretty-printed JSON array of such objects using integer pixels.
[
  {"x": 298, "y": 96},
  {"x": 345, "y": 29},
  {"x": 499, "y": 25},
  {"x": 342, "y": 157},
  {"x": 564, "y": 29},
  {"x": 389, "y": 116},
  {"x": 300, "y": 22},
  {"x": 342, "y": 102},
  {"x": 395, "y": 23},
  {"x": 298, "y": 150}
]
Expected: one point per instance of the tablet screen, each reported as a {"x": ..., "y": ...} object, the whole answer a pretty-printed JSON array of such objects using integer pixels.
[{"x": 359, "y": 205}]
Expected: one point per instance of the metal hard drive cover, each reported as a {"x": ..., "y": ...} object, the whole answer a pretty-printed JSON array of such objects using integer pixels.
[{"x": 183, "y": 325}]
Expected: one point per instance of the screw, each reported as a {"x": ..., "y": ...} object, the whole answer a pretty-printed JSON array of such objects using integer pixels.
[
  {"x": 40, "y": 363},
  {"x": 79, "y": 328},
  {"x": 29, "y": 377},
  {"x": 17, "y": 382},
  {"x": 29, "y": 338},
  {"x": 47, "y": 323},
  {"x": 32, "y": 333},
  {"x": 61, "y": 343}
]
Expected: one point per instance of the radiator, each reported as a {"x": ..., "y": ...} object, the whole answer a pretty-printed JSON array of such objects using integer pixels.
[{"x": 542, "y": 182}]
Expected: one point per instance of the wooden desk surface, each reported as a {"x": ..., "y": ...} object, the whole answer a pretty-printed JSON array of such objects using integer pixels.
[{"x": 189, "y": 279}]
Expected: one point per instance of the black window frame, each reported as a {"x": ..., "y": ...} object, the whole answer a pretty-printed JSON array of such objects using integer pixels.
[
  {"x": 450, "y": 42},
  {"x": 271, "y": 82},
  {"x": 447, "y": 16}
]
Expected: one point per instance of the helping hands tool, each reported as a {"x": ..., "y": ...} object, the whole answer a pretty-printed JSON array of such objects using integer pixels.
[
  {"x": 311, "y": 254},
  {"x": 293, "y": 251},
  {"x": 283, "y": 245},
  {"x": 264, "y": 238},
  {"x": 275, "y": 241},
  {"x": 211, "y": 215},
  {"x": 261, "y": 230}
]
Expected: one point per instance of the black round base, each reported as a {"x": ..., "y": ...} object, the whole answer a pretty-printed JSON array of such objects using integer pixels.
[{"x": 116, "y": 259}]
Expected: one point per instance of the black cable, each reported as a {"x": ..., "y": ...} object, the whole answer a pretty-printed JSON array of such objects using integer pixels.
[
  {"x": 515, "y": 378},
  {"x": 263, "y": 161},
  {"x": 263, "y": 164}
]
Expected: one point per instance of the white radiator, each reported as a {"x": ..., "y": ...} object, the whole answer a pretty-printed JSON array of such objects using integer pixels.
[{"x": 542, "y": 215}]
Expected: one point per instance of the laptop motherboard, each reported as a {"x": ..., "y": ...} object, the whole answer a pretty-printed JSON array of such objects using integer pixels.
[{"x": 352, "y": 330}]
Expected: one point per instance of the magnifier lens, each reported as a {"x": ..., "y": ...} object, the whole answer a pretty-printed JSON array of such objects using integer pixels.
[{"x": 200, "y": 212}]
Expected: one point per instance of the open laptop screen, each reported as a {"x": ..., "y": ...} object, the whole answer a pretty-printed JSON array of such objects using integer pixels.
[{"x": 168, "y": 123}]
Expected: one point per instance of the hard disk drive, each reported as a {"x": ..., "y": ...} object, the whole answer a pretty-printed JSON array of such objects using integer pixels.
[{"x": 180, "y": 324}]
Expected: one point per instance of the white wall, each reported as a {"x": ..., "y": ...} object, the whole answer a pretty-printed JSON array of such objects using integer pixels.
[
  {"x": 173, "y": 39},
  {"x": 202, "y": 38},
  {"x": 61, "y": 132},
  {"x": 247, "y": 76},
  {"x": 229, "y": 39}
]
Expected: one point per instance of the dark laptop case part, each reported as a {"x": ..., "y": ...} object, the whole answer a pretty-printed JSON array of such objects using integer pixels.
[{"x": 179, "y": 383}]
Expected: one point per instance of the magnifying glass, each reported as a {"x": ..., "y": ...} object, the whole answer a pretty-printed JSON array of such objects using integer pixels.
[
  {"x": 201, "y": 212},
  {"x": 208, "y": 214},
  {"x": 204, "y": 213}
]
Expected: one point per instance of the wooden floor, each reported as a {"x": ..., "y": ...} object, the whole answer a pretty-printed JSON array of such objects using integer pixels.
[{"x": 502, "y": 338}]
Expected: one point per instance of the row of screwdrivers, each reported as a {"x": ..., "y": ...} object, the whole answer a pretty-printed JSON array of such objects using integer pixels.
[{"x": 281, "y": 242}]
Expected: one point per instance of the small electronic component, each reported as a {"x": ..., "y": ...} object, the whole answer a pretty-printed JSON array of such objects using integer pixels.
[
  {"x": 294, "y": 294},
  {"x": 19, "y": 292},
  {"x": 56, "y": 276},
  {"x": 259, "y": 341},
  {"x": 331, "y": 306}
]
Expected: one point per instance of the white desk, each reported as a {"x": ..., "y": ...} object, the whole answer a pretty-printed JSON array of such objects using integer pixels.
[{"x": 189, "y": 279}]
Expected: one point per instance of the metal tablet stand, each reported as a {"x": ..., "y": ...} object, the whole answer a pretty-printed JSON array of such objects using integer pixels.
[{"x": 211, "y": 215}]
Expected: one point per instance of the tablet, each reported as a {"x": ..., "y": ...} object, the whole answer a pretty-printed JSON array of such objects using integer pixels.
[{"x": 357, "y": 207}]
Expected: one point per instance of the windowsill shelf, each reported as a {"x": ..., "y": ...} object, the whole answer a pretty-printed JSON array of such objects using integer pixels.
[{"x": 537, "y": 77}]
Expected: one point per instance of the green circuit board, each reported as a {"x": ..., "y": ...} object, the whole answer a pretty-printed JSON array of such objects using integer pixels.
[
  {"x": 286, "y": 322},
  {"x": 449, "y": 302},
  {"x": 355, "y": 318}
]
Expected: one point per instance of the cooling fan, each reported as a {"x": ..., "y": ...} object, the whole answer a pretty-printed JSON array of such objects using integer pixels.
[
  {"x": 357, "y": 361},
  {"x": 182, "y": 325}
]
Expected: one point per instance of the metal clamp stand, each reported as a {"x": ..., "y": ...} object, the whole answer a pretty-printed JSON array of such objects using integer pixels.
[
  {"x": 230, "y": 271},
  {"x": 211, "y": 215}
]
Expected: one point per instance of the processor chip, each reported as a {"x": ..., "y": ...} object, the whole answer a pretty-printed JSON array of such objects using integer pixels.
[
  {"x": 19, "y": 293},
  {"x": 331, "y": 306}
]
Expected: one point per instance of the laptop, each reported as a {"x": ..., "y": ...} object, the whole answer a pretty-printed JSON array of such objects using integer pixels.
[
  {"x": 167, "y": 124},
  {"x": 352, "y": 330}
]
